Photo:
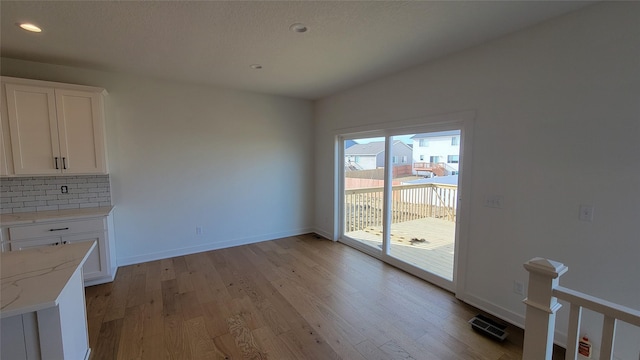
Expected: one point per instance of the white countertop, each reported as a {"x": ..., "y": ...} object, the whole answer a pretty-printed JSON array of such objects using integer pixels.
[
  {"x": 33, "y": 279},
  {"x": 53, "y": 215}
]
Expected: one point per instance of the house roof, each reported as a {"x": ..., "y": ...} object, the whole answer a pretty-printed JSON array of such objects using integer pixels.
[
  {"x": 436, "y": 134},
  {"x": 372, "y": 148}
]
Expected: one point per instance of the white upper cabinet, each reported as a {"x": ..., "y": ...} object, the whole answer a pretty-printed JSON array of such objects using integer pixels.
[
  {"x": 55, "y": 129},
  {"x": 5, "y": 170},
  {"x": 34, "y": 129},
  {"x": 80, "y": 131},
  {"x": 6, "y": 162}
]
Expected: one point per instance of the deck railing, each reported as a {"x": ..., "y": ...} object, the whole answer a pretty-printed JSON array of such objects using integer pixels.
[
  {"x": 542, "y": 305},
  {"x": 363, "y": 207}
]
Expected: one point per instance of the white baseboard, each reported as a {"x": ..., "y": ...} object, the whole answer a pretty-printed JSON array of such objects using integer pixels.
[
  {"x": 130, "y": 260},
  {"x": 324, "y": 234},
  {"x": 102, "y": 280}
]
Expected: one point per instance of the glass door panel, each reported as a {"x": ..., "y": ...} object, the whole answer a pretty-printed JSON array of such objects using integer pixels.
[
  {"x": 424, "y": 200},
  {"x": 364, "y": 164}
]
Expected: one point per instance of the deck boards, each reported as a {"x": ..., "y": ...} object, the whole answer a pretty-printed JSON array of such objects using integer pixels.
[{"x": 435, "y": 254}]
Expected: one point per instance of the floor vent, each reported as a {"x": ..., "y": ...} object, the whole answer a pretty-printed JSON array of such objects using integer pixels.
[{"x": 486, "y": 326}]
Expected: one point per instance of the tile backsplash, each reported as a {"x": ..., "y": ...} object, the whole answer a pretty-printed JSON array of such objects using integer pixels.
[{"x": 24, "y": 194}]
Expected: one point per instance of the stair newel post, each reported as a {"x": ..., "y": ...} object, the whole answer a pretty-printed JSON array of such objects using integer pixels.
[{"x": 541, "y": 307}]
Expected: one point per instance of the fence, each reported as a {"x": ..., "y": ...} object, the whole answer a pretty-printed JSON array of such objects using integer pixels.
[
  {"x": 398, "y": 171},
  {"x": 364, "y": 207}
]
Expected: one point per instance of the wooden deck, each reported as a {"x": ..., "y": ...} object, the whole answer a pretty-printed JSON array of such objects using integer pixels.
[{"x": 435, "y": 254}]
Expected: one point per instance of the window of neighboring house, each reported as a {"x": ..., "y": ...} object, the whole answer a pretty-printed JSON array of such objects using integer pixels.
[
  {"x": 453, "y": 159},
  {"x": 434, "y": 159},
  {"x": 423, "y": 143},
  {"x": 395, "y": 159},
  {"x": 356, "y": 159},
  {"x": 404, "y": 159},
  {"x": 421, "y": 157},
  {"x": 454, "y": 141}
]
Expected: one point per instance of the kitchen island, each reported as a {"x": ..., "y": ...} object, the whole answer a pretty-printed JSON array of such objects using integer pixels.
[{"x": 42, "y": 304}]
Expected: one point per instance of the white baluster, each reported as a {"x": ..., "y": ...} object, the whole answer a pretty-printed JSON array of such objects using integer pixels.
[
  {"x": 575, "y": 317},
  {"x": 541, "y": 308},
  {"x": 608, "y": 334}
]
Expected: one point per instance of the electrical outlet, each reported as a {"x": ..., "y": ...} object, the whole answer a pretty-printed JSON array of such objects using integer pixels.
[
  {"x": 198, "y": 230},
  {"x": 586, "y": 213},
  {"x": 518, "y": 287},
  {"x": 64, "y": 189}
]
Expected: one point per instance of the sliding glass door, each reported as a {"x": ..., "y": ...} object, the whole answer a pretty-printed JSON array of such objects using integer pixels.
[
  {"x": 400, "y": 199},
  {"x": 424, "y": 202},
  {"x": 364, "y": 165}
]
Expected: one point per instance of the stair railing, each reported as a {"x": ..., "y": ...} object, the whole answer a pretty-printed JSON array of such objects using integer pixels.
[{"x": 542, "y": 304}]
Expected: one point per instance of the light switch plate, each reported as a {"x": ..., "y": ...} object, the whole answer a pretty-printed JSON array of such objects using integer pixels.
[{"x": 493, "y": 201}]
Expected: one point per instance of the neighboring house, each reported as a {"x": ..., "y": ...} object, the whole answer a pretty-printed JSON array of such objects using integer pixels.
[
  {"x": 442, "y": 147},
  {"x": 371, "y": 155}
]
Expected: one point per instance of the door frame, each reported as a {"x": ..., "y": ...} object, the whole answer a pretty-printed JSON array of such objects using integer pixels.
[{"x": 461, "y": 120}]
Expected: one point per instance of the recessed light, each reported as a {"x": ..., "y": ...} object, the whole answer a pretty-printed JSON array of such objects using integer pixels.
[
  {"x": 256, "y": 66},
  {"x": 29, "y": 27},
  {"x": 298, "y": 28}
]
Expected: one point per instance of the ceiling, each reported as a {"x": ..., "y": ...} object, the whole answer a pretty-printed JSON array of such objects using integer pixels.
[{"x": 215, "y": 42}]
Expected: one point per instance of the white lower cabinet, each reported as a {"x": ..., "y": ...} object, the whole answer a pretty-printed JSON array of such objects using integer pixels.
[
  {"x": 97, "y": 269},
  {"x": 96, "y": 266},
  {"x": 28, "y": 244}
]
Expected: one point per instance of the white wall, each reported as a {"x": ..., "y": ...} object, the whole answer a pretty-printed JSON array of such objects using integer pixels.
[
  {"x": 181, "y": 156},
  {"x": 557, "y": 125}
]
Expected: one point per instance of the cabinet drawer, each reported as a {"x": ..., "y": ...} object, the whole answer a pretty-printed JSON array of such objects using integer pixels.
[
  {"x": 29, "y": 244},
  {"x": 56, "y": 228}
]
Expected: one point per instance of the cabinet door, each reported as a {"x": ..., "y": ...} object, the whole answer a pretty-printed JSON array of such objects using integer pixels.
[
  {"x": 28, "y": 244},
  {"x": 96, "y": 264},
  {"x": 33, "y": 129},
  {"x": 81, "y": 131},
  {"x": 13, "y": 338},
  {"x": 5, "y": 168},
  {"x": 6, "y": 162}
]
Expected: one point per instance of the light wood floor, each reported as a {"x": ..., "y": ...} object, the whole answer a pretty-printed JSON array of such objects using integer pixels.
[{"x": 292, "y": 298}]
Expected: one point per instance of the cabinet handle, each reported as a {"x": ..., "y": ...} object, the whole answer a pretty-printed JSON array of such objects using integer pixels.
[
  {"x": 56, "y": 158},
  {"x": 64, "y": 163},
  {"x": 65, "y": 242},
  {"x": 55, "y": 244},
  {"x": 66, "y": 228}
]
